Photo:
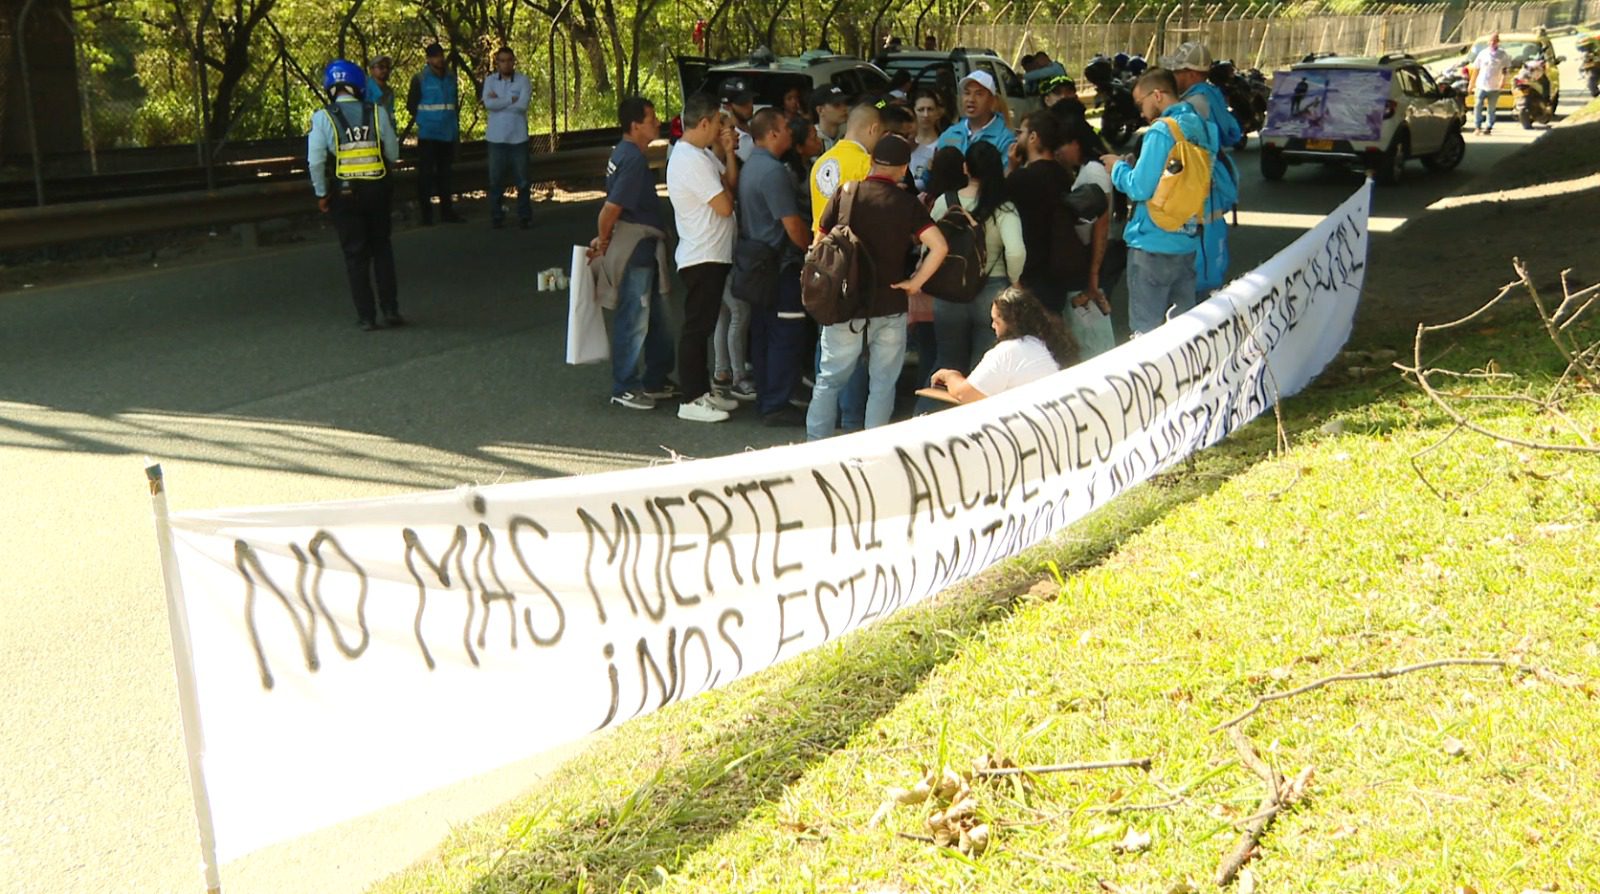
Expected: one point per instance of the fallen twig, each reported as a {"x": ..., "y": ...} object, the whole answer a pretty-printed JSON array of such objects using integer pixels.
[
  {"x": 1278, "y": 798},
  {"x": 910, "y": 837},
  {"x": 1142, "y": 763},
  {"x": 1541, "y": 673}
]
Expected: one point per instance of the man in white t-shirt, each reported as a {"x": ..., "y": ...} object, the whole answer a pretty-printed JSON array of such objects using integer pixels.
[
  {"x": 701, "y": 190},
  {"x": 1491, "y": 65}
]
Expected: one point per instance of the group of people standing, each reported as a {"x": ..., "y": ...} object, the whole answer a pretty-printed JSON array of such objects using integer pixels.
[
  {"x": 1060, "y": 219},
  {"x": 354, "y": 145}
]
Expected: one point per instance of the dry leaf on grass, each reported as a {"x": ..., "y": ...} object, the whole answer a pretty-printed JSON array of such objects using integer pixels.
[{"x": 1453, "y": 746}]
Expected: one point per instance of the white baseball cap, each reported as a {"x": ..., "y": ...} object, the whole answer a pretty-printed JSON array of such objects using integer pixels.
[
  {"x": 1190, "y": 56},
  {"x": 982, "y": 79}
]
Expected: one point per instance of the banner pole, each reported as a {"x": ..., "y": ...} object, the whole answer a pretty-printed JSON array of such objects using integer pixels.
[{"x": 183, "y": 665}]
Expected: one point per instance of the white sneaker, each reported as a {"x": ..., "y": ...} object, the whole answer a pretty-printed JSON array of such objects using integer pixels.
[
  {"x": 701, "y": 409},
  {"x": 725, "y": 404}
]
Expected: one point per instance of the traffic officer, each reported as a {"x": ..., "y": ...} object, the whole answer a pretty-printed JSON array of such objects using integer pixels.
[
  {"x": 434, "y": 108},
  {"x": 359, "y": 139}
]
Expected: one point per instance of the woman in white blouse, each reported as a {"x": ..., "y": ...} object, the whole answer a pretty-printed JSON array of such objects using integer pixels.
[
  {"x": 962, "y": 330},
  {"x": 1030, "y": 344}
]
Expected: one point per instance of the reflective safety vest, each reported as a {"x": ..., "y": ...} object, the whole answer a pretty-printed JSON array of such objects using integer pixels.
[
  {"x": 358, "y": 154},
  {"x": 437, "y": 117}
]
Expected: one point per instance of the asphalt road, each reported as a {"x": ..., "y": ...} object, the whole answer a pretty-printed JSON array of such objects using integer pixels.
[{"x": 248, "y": 378}]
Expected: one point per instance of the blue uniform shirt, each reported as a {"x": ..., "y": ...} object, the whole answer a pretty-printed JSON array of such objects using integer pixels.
[
  {"x": 631, "y": 184},
  {"x": 767, "y": 194}
]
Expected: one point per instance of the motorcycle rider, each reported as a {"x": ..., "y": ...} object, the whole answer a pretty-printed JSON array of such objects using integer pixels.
[{"x": 1191, "y": 68}]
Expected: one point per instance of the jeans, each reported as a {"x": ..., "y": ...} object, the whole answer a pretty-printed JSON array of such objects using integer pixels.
[
  {"x": 965, "y": 331},
  {"x": 884, "y": 340},
  {"x": 434, "y": 158},
  {"x": 509, "y": 158},
  {"x": 640, "y": 329},
  {"x": 361, "y": 217},
  {"x": 853, "y": 396},
  {"x": 1492, "y": 99},
  {"x": 1157, "y": 282},
  {"x": 703, "y": 285},
  {"x": 777, "y": 345},
  {"x": 732, "y": 337}
]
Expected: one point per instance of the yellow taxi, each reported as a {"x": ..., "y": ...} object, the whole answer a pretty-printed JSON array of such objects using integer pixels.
[{"x": 1521, "y": 48}]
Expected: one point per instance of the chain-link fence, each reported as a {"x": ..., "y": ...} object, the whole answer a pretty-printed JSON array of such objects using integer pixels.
[{"x": 1259, "y": 35}]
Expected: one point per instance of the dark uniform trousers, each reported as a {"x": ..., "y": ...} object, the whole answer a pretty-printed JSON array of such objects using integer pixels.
[
  {"x": 434, "y": 159},
  {"x": 361, "y": 216},
  {"x": 778, "y": 344}
]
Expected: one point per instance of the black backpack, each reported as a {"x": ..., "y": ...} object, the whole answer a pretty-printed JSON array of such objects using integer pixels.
[
  {"x": 1070, "y": 255},
  {"x": 960, "y": 278},
  {"x": 837, "y": 276}
]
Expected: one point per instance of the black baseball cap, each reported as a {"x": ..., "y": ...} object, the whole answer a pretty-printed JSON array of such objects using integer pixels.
[
  {"x": 829, "y": 94},
  {"x": 891, "y": 152},
  {"x": 736, "y": 92}
]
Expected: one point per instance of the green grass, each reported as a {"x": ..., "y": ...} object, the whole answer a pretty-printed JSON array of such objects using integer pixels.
[{"x": 1132, "y": 634}]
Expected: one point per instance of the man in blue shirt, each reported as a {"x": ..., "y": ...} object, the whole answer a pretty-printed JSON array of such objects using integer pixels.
[
  {"x": 769, "y": 213},
  {"x": 1191, "y": 68},
  {"x": 358, "y": 140},
  {"x": 631, "y": 243},
  {"x": 981, "y": 121},
  {"x": 432, "y": 102},
  {"x": 1161, "y": 264}
]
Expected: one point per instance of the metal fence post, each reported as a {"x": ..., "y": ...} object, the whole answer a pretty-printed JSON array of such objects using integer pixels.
[{"x": 27, "y": 101}]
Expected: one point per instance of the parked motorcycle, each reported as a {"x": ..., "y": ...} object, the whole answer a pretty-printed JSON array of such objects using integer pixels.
[
  {"x": 1533, "y": 94},
  {"x": 1591, "y": 63},
  {"x": 1247, "y": 96},
  {"x": 1119, "y": 114}
]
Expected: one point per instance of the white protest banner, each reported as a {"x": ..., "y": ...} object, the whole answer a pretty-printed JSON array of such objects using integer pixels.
[{"x": 349, "y": 655}]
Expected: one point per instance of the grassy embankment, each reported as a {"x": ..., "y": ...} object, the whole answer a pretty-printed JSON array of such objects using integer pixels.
[{"x": 1133, "y": 634}]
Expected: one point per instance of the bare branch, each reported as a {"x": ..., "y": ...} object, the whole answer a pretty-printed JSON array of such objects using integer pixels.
[
  {"x": 1142, "y": 763},
  {"x": 1385, "y": 674}
]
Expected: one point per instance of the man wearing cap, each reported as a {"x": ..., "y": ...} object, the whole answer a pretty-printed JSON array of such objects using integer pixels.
[
  {"x": 888, "y": 221},
  {"x": 1191, "y": 67},
  {"x": 832, "y": 107},
  {"x": 979, "y": 100},
  {"x": 740, "y": 102},
  {"x": 436, "y": 112}
]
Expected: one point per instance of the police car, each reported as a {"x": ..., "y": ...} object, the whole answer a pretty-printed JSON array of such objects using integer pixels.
[{"x": 1373, "y": 113}]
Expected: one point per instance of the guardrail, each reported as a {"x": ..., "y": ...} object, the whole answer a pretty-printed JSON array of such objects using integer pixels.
[
  {"x": 125, "y": 173},
  {"x": 26, "y": 228}
]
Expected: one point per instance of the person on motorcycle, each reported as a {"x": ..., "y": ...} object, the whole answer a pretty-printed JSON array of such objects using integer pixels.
[{"x": 1191, "y": 68}]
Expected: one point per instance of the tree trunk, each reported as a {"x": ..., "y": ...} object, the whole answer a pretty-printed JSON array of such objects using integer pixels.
[
  {"x": 614, "y": 31},
  {"x": 587, "y": 36}
]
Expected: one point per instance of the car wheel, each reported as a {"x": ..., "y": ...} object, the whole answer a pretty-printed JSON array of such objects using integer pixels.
[
  {"x": 1449, "y": 156},
  {"x": 1273, "y": 164},
  {"x": 1526, "y": 117},
  {"x": 1392, "y": 167}
]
